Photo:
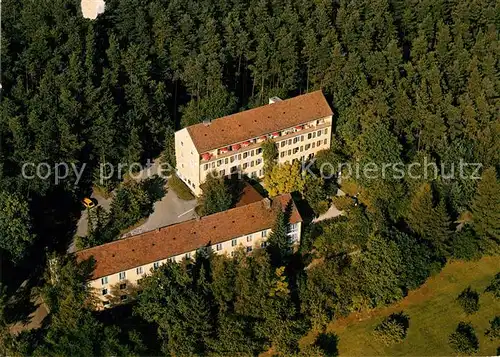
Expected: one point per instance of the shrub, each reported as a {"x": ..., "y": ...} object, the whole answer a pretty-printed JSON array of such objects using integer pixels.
[
  {"x": 343, "y": 203},
  {"x": 392, "y": 329},
  {"x": 328, "y": 344},
  {"x": 464, "y": 339},
  {"x": 469, "y": 300},
  {"x": 180, "y": 188},
  {"x": 493, "y": 332},
  {"x": 494, "y": 286}
]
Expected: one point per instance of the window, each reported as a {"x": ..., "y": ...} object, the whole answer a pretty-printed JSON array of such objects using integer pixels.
[
  {"x": 205, "y": 167},
  {"x": 301, "y": 148},
  {"x": 188, "y": 256},
  {"x": 219, "y": 162},
  {"x": 302, "y": 138},
  {"x": 249, "y": 238},
  {"x": 264, "y": 233},
  {"x": 226, "y": 160},
  {"x": 261, "y": 172},
  {"x": 232, "y": 158},
  {"x": 325, "y": 131},
  {"x": 308, "y": 146},
  {"x": 253, "y": 174},
  {"x": 249, "y": 249},
  {"x": 245, "y": 154},
  {"x": 232, "y": 254},
  {"x": 213, "y": 165},
  {"x": 123, "y": 298},
  {"x": 318, "y": 143},
  {"x": 219, "y": 247},
  {"x": 318, "y": 133},
  {"x": 309, "y": 136},
  {"x": 283, "y": 143},
  {"x": 258, "y": 151},
  {"x": 123, "y": 286},
  {"x": 252, "y": 163},
  {"x": 258, "y": 161},
  {"x": 239, "y": 156},
  {"x": 171, "y": 260},
  {"x": 222, "y": 172},
  {"x": 189, "y": 181},
  {"x": 156, "y": 265},
  {"x": 139, "y": 271},
  {"x": 325, "y": 141},
  {"x": 263, "y": 244},
  {"x": 289, "y": 152},
  {"x": 295, "y": 150},
  {"x": 245, "y": 165},
  {"x": 289, "y": 141},
  {"x": 252, "y": 153},
  {"x": 104, "y": 280},
  {"x": 182, "y": 144},
  {"x": 234, "y": 242},
  {"x": 313, "y": 145},
  {"x": 282, "y": 154},
  {"x": 296, "y": 140},
  {"x": 122, "y": 275},
  {"x": 293, "y": 232},
  {"x": 105, "y": 303},
  {"x": 104, "y": 291}
]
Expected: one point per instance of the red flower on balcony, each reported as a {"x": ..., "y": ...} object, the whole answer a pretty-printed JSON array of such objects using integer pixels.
[
  {"x": 245, "y": 143},
  {"x": 235, "y": 147},
  {"x": 206, "y": 156}
]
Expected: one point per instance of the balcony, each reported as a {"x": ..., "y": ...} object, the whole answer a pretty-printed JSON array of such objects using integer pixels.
[{"x": 255, "y": 142}]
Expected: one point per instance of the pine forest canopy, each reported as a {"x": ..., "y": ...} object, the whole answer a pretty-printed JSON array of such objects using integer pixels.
[{"x": 408, "y": 81}]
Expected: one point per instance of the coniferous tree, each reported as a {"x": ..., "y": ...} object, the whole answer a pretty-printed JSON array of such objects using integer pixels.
[
  {"x": 216, "y": 196},
  {"x": 279, "y": 244},
  {"x": 486, "y": 206}
]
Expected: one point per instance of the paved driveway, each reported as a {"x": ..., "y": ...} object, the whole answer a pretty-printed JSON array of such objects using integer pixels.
[{"x": 169, "y": 210}]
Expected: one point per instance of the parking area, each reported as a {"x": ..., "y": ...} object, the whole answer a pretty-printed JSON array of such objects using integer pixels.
[{"x": 169, "y": 210}]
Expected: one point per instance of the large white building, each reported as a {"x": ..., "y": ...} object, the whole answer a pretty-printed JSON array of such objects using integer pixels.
[
  {"x": 300, "y": 126},
  {"x": 120, "y": 264}
]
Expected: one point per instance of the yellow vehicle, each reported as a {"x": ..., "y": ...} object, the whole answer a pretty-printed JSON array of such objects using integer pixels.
[{"x": 88, "y": 203}]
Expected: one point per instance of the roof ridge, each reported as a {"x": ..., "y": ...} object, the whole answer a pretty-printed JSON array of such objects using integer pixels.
[
  {"x": 177, "y": 224},
  {"x": 282, "y": 103}
]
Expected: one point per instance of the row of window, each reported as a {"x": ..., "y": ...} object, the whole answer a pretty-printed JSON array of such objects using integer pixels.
[
  {"x": 250, "y": 153},
  {"x": 297, "y": 139},
  {"x": 234, "y": 158},
  {"x": 302, "y": 148},
  {"x": 234, "y": 242}
]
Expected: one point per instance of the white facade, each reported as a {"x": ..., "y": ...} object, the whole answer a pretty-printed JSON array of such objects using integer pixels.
[
  {"x": 301, "y": 142},
  {"x": 124, "y": 280}
]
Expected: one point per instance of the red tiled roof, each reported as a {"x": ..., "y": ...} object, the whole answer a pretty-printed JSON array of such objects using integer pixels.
[
  {"x": 248, "y": 195},
  {"x": 255, "y": 122},
  {"x": 185, "y": 237}
]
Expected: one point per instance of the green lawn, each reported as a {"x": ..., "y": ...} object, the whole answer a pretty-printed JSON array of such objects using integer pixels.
[{"x": 433, "y": 312}]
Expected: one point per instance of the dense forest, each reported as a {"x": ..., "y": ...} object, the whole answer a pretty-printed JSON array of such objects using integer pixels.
[{"x": 408, "y": 80}]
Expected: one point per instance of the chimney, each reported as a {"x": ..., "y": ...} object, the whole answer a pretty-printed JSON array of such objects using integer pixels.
[
  {"x": 273, "y": 100},
  {"x": 267, "y": 203},
  {"x": 206, "y": 122}
]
